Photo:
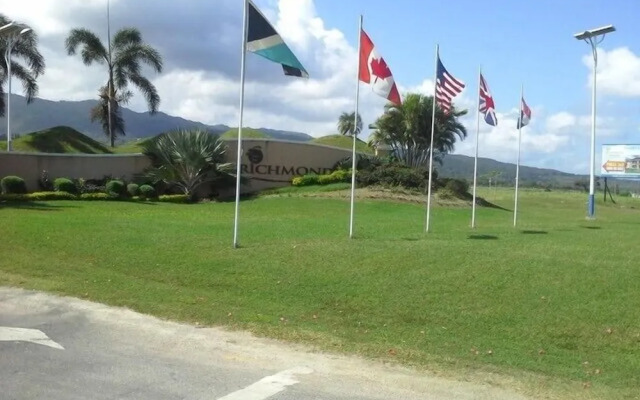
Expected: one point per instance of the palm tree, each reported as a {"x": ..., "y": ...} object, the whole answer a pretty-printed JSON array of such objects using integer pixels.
[
  {"x": 32, "y": 66},
  {"x": 407, "y": 129},
  {"x": 100, "y": 113},
  {"x": 123, "y": 58},
  {"x": 187, "y": 159},
  {"x": 345, "y": 124}
]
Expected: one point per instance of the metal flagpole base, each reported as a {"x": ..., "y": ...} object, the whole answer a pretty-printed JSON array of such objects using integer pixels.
[{"x": 591, "y": 210}]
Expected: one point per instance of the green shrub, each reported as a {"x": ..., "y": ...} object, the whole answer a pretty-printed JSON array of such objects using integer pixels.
[
  {"x": 147, "y": 192},
  {"x": 64, "y": 185},
  {"x": 447, "y": 194},
  {"x": 115, "y": 188},
  {"x": 42, "y": 196},
  {"x": 13, "y": 185},
  {"x": 457, "y": 186},
  {"x": 325, "y": 179},
  {"x": 336, "y": 176},
  {"x": 305, "y": 180},
  {"x": 174, "y": 198},
  {"x": 133, "y": 189},
  {"x": 394, "y": 174},
  {"x": 95, "y": 196},
  {"x": 38, "y": 196}
]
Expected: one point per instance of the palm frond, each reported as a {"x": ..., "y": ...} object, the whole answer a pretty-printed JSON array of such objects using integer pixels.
[
  {"x": 92, "y": 48},
  {"x": 29, "y": 82},
  {"x": 26, "y": 49},
  {"x": 148, "y": 90},
  {"x": 126, "y": 37}
]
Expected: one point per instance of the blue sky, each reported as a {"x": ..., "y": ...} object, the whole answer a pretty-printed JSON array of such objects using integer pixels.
[
  {"x": 517, "y": 42},
  {"x": 529, "y": 42}
]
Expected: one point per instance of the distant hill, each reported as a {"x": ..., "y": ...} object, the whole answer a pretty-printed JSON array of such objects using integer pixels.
[
  {"x": 344, "y": 142},
  {"x": 459, "y": 166},
  {"x": 60, "y": 139},
  {"x": 286, "y": 135},
  {"x": 42, "y": 114}
]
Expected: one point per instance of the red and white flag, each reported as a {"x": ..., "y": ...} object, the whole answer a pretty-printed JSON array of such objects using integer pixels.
[{"x": 375, "y": 72}]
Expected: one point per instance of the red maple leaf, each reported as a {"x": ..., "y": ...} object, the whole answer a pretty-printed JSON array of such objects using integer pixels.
[{"x": 379, "y": 68}]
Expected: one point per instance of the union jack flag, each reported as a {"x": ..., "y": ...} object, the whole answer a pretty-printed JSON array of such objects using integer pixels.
[
  {"x": 447, "y": 87},
  {"x": 486, "y": 104}
]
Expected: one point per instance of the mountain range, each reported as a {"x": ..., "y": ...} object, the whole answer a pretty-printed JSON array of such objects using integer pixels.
[{"x": 43, "y": 114}]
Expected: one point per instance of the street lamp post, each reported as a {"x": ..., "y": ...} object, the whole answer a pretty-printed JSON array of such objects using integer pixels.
[
  {"x": 11, "y": 32},
  {"x": 593, "y": 37}
]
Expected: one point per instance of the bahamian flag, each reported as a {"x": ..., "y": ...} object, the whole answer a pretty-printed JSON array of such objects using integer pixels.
[{"x": 262, "y": 39}]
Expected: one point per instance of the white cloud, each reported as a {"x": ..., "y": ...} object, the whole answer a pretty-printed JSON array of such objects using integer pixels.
[
  {"x": 204, "y": 85},
  {"x": 561, "y": 121},
  {"x": 618, "y": 72}
]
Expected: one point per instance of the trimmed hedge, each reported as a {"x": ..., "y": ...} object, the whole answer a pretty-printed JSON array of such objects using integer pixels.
[
  {"x": 95, "y": 196},
  {"x": 174, "y": 198},
  {"x": 133, "y": 189},
  {"x": 337, "y": 176},
  {"x": 147, "y": 192},
  {"x": 38, "y": 196},
  {"x": 64, "y": 185},
  {"x": 13, "y": 185},
  {"x": 115, "y": 188}
]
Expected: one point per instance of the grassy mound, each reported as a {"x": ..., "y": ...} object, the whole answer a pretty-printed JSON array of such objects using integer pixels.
[
  {"x": 131, "y": 147},
  {"x": 60, "y": 139},
  {"x": 344, "y": 142},
  {"x": 247, "y": 133}
]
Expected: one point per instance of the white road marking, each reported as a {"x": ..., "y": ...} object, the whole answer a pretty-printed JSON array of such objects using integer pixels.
[
  {"x": 267, "y": 387},
  {"x": 8, "y": 334}
]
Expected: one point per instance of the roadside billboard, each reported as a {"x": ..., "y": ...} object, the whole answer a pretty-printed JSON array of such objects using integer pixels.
[{"x": 621, "y": 160}]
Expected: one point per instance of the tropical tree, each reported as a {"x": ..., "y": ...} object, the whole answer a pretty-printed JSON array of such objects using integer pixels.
[
  {"x": 124, "y": 58},
  {"x": 187, "y": 159},
  {"x": 27, "y": 64},
  {"x": 346, "y": 122},
  {"x": 407, "y": 129}
]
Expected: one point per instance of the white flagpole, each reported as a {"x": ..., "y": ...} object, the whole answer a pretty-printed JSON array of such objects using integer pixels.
[
  {"x": 355, "y": 134},
  {"x": 515, "y": 206},
  {"x": 433, "y": 125},
  {"x": 239, "y": 159},
  {"x": 475, "y": 162}
]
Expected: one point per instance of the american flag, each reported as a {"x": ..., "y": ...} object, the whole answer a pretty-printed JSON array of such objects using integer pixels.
[
  {"x": 486, "y": 104},
  {"x": 447, "y": 87}
]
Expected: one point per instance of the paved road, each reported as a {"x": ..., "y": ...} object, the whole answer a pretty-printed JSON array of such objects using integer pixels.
[{"x": 65, "y": 349}]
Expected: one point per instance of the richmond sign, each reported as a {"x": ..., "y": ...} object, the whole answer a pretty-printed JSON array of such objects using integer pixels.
[{"x": 273, "y": 163}]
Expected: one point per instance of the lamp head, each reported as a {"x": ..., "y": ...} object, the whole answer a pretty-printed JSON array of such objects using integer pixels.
[{"x": 594, "y": 32}]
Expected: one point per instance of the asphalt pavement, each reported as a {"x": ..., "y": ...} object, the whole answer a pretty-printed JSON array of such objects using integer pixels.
[{"x": 59, "y": 348}]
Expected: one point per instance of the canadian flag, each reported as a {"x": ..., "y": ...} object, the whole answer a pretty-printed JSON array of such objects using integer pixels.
[{"x": 375, "y": 72}]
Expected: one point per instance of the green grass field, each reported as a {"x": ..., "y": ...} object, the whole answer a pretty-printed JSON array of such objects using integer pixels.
[{"x": 552, "y": 308}]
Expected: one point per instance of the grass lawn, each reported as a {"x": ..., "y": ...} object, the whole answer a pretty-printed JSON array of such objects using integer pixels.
[{"x": 554, "y": 305}]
